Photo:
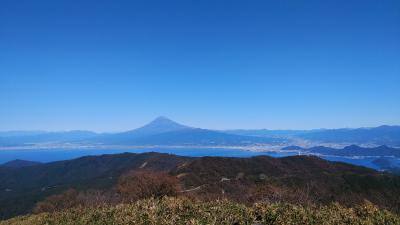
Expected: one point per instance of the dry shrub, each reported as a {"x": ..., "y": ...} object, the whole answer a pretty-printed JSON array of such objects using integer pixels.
[
  {"x": 72, "y": 198},
  {"x": 136, "y": 185},
  {"x": 172, "y": 211},
  {"x": 59, "y": 202},
  {"x": 280, "y": 194},
  {"x": 132, "y": 186}
]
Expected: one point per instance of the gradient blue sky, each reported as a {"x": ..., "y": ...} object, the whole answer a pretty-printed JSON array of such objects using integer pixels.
[{"x": 115, "y": 65}]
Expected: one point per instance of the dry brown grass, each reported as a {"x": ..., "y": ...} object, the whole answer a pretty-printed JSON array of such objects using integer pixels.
[{"x": 177, "y": 211}]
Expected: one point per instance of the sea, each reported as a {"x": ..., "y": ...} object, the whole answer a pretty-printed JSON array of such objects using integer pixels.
[{"x": 50, "y": 155}]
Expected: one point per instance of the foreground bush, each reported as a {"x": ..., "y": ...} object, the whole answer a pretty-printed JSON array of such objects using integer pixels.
[
  {"x": 141, "y": 184},
  {"x": 132, "y": 186},
  {"x": 72, "y": 199},
  {"x": 176, "y": 211}
]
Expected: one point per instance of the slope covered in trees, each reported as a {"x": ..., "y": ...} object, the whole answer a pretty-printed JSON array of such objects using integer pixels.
[{"x": 125, "y": 178}]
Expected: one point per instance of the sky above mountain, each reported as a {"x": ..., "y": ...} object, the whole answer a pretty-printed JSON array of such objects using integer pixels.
[{"x": 113, "y": 66}]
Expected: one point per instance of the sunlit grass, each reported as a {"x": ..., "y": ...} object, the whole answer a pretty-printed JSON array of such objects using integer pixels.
[{"x": 172, "y": 211}]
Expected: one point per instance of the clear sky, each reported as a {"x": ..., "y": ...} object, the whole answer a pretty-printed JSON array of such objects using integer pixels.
[{"x": 115, "y": 65}]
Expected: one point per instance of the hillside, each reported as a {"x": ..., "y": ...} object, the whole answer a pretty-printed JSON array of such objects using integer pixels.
[
  {"x": 172, "y": 211},
  {"x": 354, "y": 150},
  {"x": 297, "y": 180},
  {"x": 22, "y": 187},
  {"x": 19, "y": 163}
]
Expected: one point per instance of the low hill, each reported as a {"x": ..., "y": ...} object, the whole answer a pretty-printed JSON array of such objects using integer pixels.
[
  {"x": 20, "y": 163},
  {"x": 351, "y": 150},
  {"x": 297, "y": 179},
  {"x": 21, "y": 188},
  {"x": 389, "y": 164},
  {"x": 354, "y": 150},
  {"x": 294, "y": 179}
]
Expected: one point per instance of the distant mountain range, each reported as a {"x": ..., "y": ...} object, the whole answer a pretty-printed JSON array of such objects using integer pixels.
[
  {"x": 384, "y": 157},
  {"x": 382, "y": 135},
  {"x": 351, "y": 151},
  {"x": 163, "y": 131},
  {"x": 46, "y": 137}
]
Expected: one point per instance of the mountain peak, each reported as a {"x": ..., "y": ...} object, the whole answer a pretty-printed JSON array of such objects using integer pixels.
[
  {"x": 352, "y": 147},
  {"x": 160, "y": 124},
  {"x": 163, "y": 124},
  {"x": 162, "y": 119}
]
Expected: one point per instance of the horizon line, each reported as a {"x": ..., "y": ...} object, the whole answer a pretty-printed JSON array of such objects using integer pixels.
[{"x": 173, "y": 121}]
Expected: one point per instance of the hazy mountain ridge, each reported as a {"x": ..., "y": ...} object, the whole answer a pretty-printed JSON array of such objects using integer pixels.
[
  {"x": 382, "y": 135},
  {"x": 351, "y": 151},
  {"x": 20, "y": 133},
  {"x": 163, "y": 131},
  {"x": 197, "y": 136},
  {"x": 47, "y": 137},
  {"x": 267, "y": 132},
  {"x": 19, "y": 163}
]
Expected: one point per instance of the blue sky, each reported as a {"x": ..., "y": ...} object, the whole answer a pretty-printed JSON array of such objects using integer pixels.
[{"x": 115, "y": 65}]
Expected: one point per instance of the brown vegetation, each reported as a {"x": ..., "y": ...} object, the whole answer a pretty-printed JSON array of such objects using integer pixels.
[
  {"x": 139, "y": 184},
  {"x": 172, "y": 211},
  {"x": 302, "y": 181},
  {"x": 132, "y": 186},
  {"x": 72, "y": 198},
  {"x": 298, "y": 180}
]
